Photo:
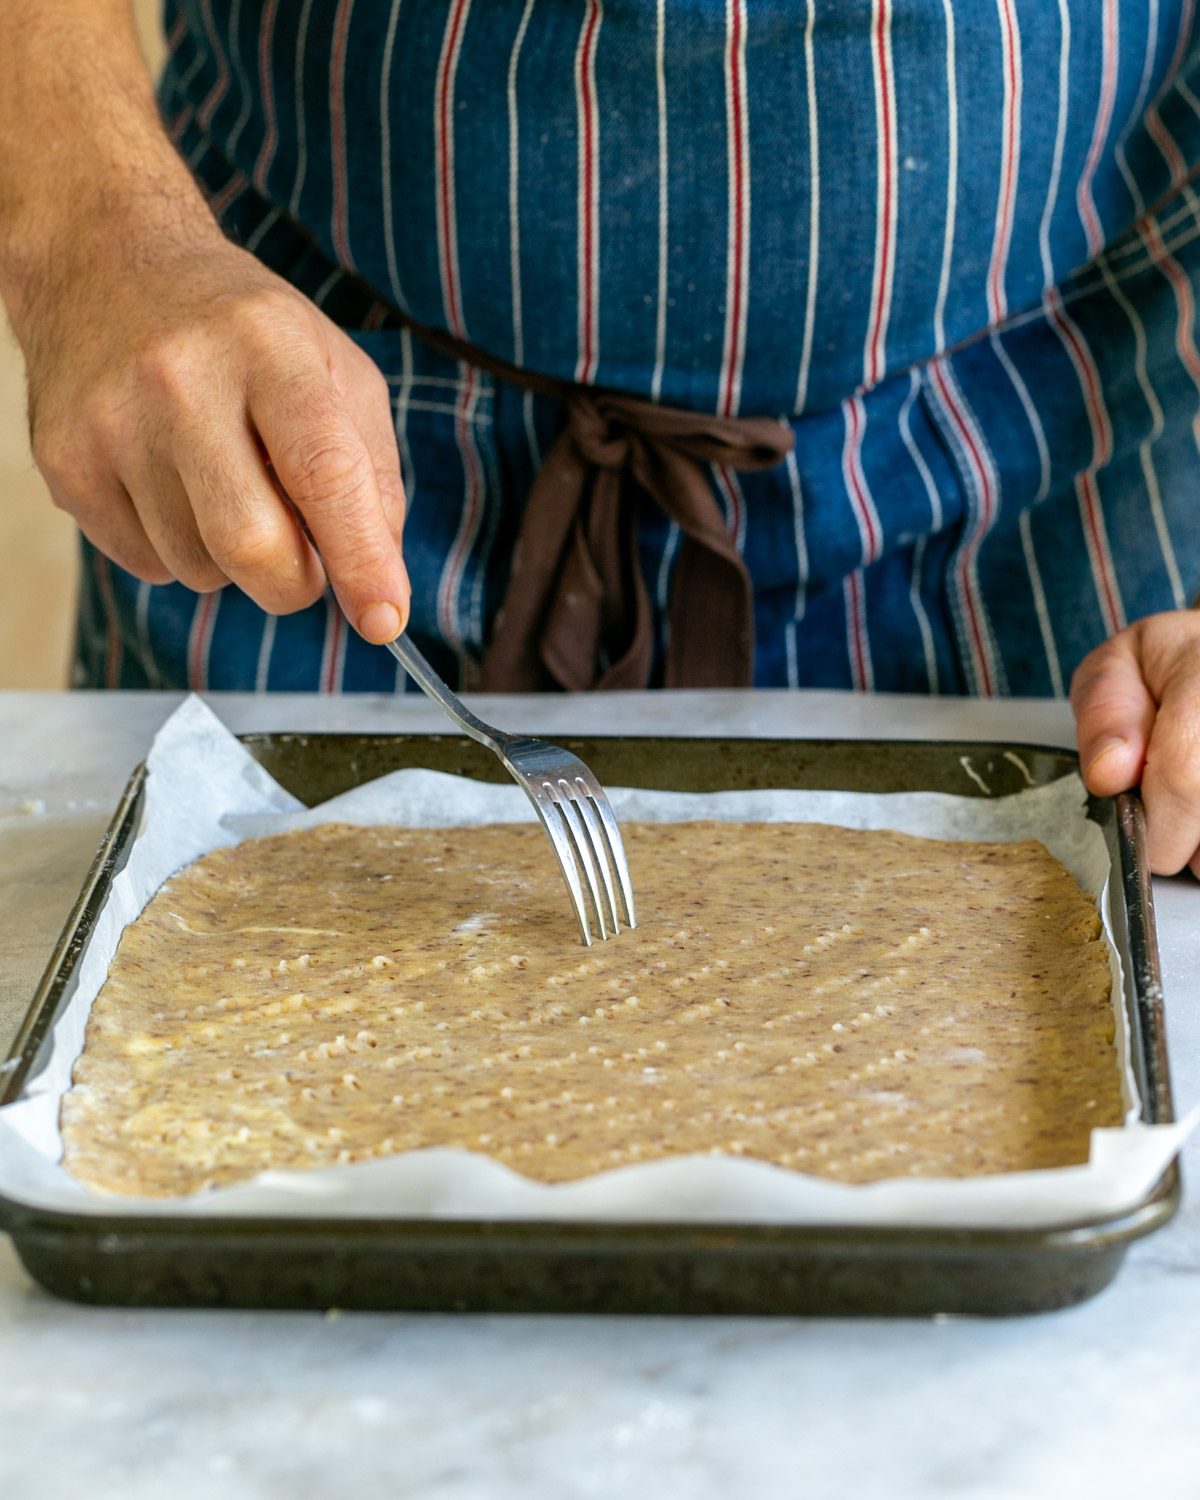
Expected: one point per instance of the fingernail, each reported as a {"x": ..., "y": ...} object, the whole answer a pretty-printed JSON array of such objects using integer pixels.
[
  {"x": 380, "y": 622},
  {"x": 1105, "y": 747}
]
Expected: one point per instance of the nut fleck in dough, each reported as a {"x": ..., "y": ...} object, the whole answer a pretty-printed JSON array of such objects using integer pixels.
[{"x": 853, "y": 1004}]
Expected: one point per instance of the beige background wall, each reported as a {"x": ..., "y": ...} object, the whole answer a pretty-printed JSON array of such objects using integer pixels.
[{"x": 37, "y": 542}]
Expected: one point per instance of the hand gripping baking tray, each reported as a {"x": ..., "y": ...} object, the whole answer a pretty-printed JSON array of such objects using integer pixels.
[{"x": 477, "y": 1265}]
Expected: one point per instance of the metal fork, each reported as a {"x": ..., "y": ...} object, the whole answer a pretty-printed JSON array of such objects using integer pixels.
[{"x": 573, "y": 806}]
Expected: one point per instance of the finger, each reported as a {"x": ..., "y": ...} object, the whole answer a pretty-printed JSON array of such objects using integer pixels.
[
  {"x": 370, "y": 404},
  {"x": 1114, "y": 713},
  {"x": 250, "y": 532},
  {"x": 327, "y": 471},
  {"x": 163, "y": 507},
  {"x": 106, "y": 516},
  {"x": 1171, "y": 779}
]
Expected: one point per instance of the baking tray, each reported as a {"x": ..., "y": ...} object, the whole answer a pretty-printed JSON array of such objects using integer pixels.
[{"x": 476, "y": 1265}]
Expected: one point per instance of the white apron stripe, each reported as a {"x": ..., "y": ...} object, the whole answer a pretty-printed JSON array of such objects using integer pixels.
[
  {"x": 450, "y": 583},
  {"x": 922, "y": 615},
  {"x": 262, "y": 671},
  {"x": 871, "y": 533},
  {"x": 791, "y": 645},
  {"x": 664, "y": 200},
  {"x": 189, "y": 76},
  {"x": 263, "y": 228},
  {"x": 1060, "y": 138},
  {"x": 514, "y": 185},
  {"x": 814, "y": 207},
  {"x": 939, "y": 312},
  {"x": 918, "y": 458},
  {"x": 1040, "y": 607},
  {"x": 663, "y": 585},
  {"x": 404, "y": 388},
  {"x": 1188, "y": 95},
  {"x": 735, "y": 504},
  {"x": 243, "y": 80},
  {"x": 854, "y": 417},
  {"x": 198, "y": 152},
  {"x": 799, "y": 540},
  {"x": 327, "y": 286},
  {"x": 792, "y": 656},
  {"x": 301, "y": 109},
  {"x": 1032, "y": 415},
  {"x": 113, "y": 647},
  {"x": 145, "y": 647},
  {"x": 1139, "y": 108},
  {"x": 531, "y": 438},
  {"x": 935, "y": 525},
  {"x": 386, "y": 187}
]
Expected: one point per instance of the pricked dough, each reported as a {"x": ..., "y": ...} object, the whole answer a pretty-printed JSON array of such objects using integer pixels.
[{"x": 852, "y": 1004}]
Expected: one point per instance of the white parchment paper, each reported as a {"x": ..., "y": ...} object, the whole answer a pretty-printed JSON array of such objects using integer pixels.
[{"x": 203, "y": 790}]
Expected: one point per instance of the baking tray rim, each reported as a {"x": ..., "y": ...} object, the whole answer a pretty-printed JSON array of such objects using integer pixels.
[{"x": 19, "y": 1217}]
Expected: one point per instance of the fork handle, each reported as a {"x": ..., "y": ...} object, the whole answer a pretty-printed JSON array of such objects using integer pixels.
[{"x": 431, "y": 684}]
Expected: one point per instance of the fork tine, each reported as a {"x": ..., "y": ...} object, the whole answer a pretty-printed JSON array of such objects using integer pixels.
[
  {"x": 581, "y": 844},
  {"x": 616, "y": 847},
  {"x": 599, "y": 847},
  {"x": 570, "y": 822},
  {"x": 547, "y": 811}
]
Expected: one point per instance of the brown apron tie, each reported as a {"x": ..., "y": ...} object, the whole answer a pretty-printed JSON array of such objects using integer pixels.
[{"x": 576, "y": 613}]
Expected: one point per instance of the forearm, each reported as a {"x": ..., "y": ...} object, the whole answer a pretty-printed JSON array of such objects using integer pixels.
[
  {"x": 85, "y": 159},
  {"x": 166, "y": 366}
]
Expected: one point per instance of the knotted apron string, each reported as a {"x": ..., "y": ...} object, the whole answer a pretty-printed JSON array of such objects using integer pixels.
[{"x": 576, "y": 613}]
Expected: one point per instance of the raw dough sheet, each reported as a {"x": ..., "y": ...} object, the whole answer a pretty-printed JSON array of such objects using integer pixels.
[{"x": 203, "y": 790}]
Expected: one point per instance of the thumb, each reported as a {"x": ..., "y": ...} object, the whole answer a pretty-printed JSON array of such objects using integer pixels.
[{"x": 1114, "y": 715}]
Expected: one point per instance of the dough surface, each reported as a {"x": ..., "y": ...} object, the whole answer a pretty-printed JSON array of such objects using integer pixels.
[{"x": 853, "y": 1004}]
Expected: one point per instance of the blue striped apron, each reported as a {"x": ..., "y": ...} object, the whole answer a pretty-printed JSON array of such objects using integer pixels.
[{"x": 953, "y": 242}]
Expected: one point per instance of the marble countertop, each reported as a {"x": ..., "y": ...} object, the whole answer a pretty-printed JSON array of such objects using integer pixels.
[{"x": 1100, "y": 1400}]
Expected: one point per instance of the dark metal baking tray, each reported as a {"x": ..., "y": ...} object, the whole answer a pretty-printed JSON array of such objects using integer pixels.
[{"x": 610, "y": 1267}]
